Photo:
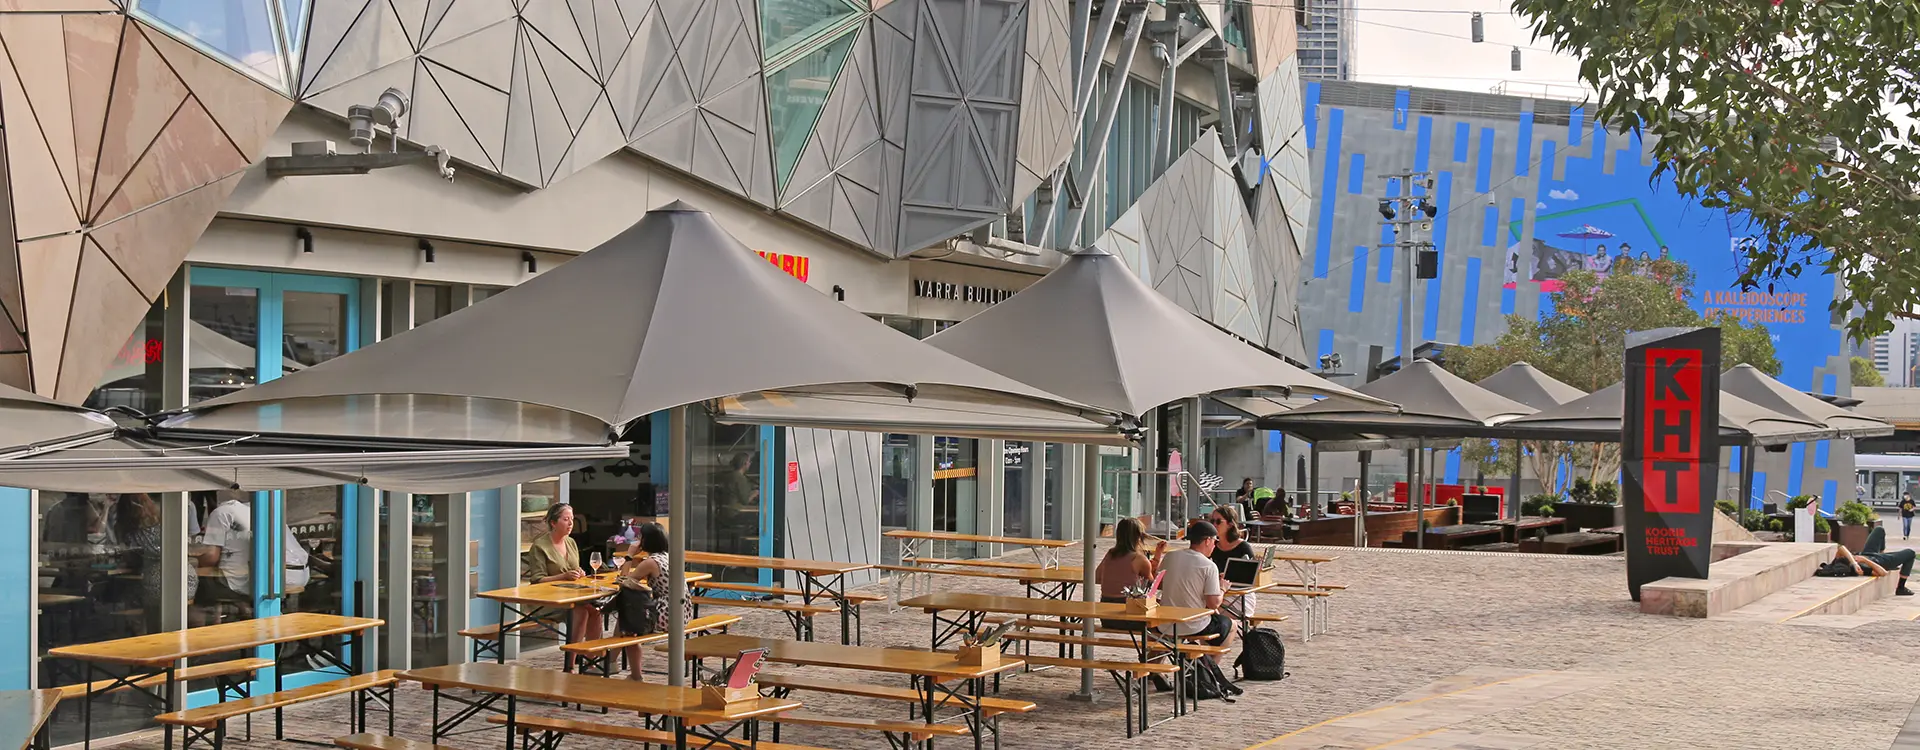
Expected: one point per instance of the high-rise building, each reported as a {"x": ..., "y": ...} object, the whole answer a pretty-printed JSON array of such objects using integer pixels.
[
  {"x": 1896, "y": 354},
  {"x": 1327, "y": 40}
]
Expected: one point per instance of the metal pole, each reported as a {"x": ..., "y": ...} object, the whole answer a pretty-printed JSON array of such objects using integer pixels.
[
  {"x": 1360, "y": 503},
  {"x": 1313, "y": 479},
  {"x": 1110, "y": 109},
  {"x": 1746, "y": 476},
  {"x": 1513, "y": 488},
  {"x": 1089, "y": 533},
  {"x": 679, "y": 476},
  {"x": 1419, "y": 499}
]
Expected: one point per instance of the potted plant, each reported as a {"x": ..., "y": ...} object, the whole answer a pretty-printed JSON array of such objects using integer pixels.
[
  {"x": 1855, "y": 519},
  {"x": 1540, "y": 505},
  {"x": 1822, "y": 531},
  {"x": 1595, "y": 505}
]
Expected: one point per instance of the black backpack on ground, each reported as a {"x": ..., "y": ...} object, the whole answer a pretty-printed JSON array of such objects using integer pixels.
[
  {"x": 1206, "y": 682},
  {"x": 1263, "y": 656}
]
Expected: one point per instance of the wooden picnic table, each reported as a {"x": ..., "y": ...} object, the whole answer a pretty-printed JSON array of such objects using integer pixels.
[
  {"x": 1574, "y": 543},
  {"x": 818, "y": 578},
  {"x": 157, "y": 654},
  {"x": 23, "y": 718},
  {"x": 511, "y": 682},
  {"x": 931, "y": 671},
  {"x": 1047, "y": 551},
  {"x": 1513, "y": 529},
  {"x": 1043, "y": 583},
  {"x": 526, "y": 602},
  {"x": 1313, "y": 605}
]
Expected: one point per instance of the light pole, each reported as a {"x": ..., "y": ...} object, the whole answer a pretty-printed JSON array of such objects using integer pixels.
[{"x": 1400, "y": 214}]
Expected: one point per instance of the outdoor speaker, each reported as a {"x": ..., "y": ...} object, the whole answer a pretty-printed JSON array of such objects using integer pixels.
[{"x": 1426, "y": 264}]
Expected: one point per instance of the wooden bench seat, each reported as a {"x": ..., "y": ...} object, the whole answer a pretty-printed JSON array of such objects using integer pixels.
[
  {"x": 913, "y": 730},
  {"x": 1190, "y": 649},
  {"x": 384, "y": 742},
  {"x": 988, "y": 705},
  {"x": 210, "y": 722},
  {"x": 492, "y": 632},
  {"x": 924, "y": 561},
  {"x": 1137, "y": 669},
  {"x": 750, "y": 588},
  {"x": 800, "y": 615},
  {"x": 1292, "y": 591},
  {"x": 1071, "y": 627},
  {"x": 599, "y": 654},
  {"x": 195, "y": 672},
  {"x": 1263, "y": 619},
  {"x": 530, "y": 724}
]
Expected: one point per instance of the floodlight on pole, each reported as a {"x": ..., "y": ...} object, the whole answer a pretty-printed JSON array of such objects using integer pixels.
[{"x": 364, "y": 122}]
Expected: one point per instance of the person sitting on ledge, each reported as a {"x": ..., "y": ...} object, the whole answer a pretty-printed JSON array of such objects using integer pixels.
[{"x": 1873, "y": 557}]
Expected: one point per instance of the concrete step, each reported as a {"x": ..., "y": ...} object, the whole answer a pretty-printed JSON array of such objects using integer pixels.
[
  {"x": 1736, "y": 581},
  {"x": 1832, "y": 597},
  {"x": 1890, "y": 609}
]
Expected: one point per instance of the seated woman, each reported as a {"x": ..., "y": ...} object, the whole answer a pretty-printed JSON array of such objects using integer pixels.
[
  {"x": 1125, "y": 565},
  {"x": 555, "y": 557},
  {"x": 647, "y": 566}
]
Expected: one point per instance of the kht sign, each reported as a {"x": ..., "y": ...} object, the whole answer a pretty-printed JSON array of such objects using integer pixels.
[{"x": 1670, "y": 448}]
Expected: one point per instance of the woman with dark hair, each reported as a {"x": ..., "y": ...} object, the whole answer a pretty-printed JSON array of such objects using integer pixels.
[
  {"x": 555, "y": 557},
  {"x": 1233, "y": 539},
  {"x": 1125, "y": 565},
  {"x": 646, "y": 567},
  {"x": 137, "y": 523}
]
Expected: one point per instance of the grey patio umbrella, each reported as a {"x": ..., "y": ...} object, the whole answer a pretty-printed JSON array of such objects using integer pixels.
[
  {"x": 30, "y": 423},
  {"x": 1092, "y": 331},
  {"x": 673, "y": 311},
  {"x": 1526, "y": 384},
  {"x": 1597, "y": 417},
  {"x": 1748, "y": 382}
]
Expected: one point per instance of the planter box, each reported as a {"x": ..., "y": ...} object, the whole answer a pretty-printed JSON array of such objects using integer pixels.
[
  {"x": 1854, "y": 538},
  {"x": 1584, "y": 516}
]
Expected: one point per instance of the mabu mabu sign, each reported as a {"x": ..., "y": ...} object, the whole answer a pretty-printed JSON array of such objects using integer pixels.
[{"x": 1670, "y": 449}]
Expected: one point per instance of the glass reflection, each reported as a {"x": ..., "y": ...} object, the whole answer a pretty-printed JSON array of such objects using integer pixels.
[
  {"x": 246, "y": 33},
  {"x": 795, "y": 96}
]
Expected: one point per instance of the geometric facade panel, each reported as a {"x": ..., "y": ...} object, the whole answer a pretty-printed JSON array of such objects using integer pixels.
[
  {"x": 120, "y": 144},
  {"x": 840, "y": 174},
  {"x": 1046, "y": 100}
]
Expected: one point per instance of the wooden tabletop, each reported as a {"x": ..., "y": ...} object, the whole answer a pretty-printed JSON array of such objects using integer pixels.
[
  {"x": 813, "y": 567},
  {"x": 1020, "y": 605},
  {"x": 22, "y": 713},
  {"x": 948, "y": 536},
  {"x": 1301, "y": 557},
  {"x": 934, "y": 664},
  {"x": 158, "y": 649},
  {"x": 1231, "y": 592},
  {"x": 616, "y": 694},
  {"x": 566, "y": 593}
]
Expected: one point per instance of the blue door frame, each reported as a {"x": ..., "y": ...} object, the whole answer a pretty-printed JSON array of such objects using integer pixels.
[
  {"x": 269, "y": 508},
  {"x": 771, "y": 478}
]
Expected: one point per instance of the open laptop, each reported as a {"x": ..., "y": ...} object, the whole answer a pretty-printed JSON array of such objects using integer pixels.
[{"x": 1242, "y": 572}]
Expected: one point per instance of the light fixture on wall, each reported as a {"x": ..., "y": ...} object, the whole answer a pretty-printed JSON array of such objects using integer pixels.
[
  {"x": 839, "y": 294},
  {"x": 426, "y": 249},
  {"x": 527, "y": 258},
  {"x": 305, "y": 237}
]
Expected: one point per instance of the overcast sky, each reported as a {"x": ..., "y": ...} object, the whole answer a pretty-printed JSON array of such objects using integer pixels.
[{"x": 1434, "y": 49}]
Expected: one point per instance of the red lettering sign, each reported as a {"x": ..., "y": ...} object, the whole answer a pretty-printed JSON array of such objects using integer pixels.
[
  {"x": 1670, "y": 446},
  {"x": 793, "y": 265}
]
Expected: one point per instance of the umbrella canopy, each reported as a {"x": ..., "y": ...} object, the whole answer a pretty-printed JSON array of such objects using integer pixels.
[
  {"x": 1748, "y": 382},
  {"x": 673, "y": 311},
  {"x": 1597, "y": 417},
  {"x": 1433, "y": 403},
  {"x": 28, "y": 421},
  {"x": 1526, "y": 384},
  {"x": 1093, "y": 332},
  {"x": 206, "y": 350}
]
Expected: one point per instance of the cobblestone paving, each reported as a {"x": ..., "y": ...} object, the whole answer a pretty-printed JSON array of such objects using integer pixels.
[{"x": 1414, "y": 625}]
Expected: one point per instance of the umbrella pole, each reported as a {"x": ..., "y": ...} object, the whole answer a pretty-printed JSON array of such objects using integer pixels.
[
  {"x": 1313, "y": 480},
  {"x": 1360, "y": 503},
  {"x": 1419, "y": 499},
  {"x": 1089, "y": 533},
  {"x": 679, "y": 476},
  {"x": 1513, "y": 487},
  {"x": 1746, "y": 477}
]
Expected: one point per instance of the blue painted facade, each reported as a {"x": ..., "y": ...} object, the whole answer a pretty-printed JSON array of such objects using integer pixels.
[{"x": 1528, "y": 189}]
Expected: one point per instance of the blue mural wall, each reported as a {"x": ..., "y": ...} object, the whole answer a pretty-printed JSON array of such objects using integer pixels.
[{"x": 1528, "y": 190}]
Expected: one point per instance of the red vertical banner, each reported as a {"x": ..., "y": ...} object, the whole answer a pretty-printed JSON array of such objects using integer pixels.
[
  {"x": 1670, "y": 450},
  {"x": 793, "y": 476}
]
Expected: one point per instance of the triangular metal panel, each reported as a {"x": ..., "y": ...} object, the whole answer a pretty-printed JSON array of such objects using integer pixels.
[
  {"x": 893, "y": 69},
  {"x": 611, "y": 34},
  {"x": 190, "y": 152},
  {"x": 814, "y": 206},
  {"x": 375, "y": 40},
  {"x": 574, "y": 88},
  {"x": 631, "y": 81},
  {"x": 41, "y": 203},
  {"x": 522, "y": 148},
  {"x": 98, "y": 327},
  {"x": 146, "y": 93},
  {"x": 36, "y": 49},
  {"x": 48, "y": 268},
  {"x": 248, "y": 111},
  {"x": 93, "y": 51},
  {"x": 459, "y": 114},
  {"x": 550, "y": 125},
  {"x": 485, "y": 55},
  {"x": 598, "y": 136},
  {"x": 553, "y": 20},
  {"x": 855, "y": 210},
  {"x": 327, "y": 26},
  {"x": 671, "y": 144},
  {"x": 665, "y": 93},
  {"x": 412, "y": 15},
  {"x": 149, "y": 245},
  {"x": 924, "y": 227},
  {"x": 713, "y": 139},
  {"x": 465, "y": 17}
]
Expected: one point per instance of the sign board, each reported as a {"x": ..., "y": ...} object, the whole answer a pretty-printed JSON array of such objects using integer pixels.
[
  {"x": 793, "y": 476},
  {"x": 1670, "y": 453}
]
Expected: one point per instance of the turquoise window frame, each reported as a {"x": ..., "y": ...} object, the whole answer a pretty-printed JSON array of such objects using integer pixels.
[{"x": 269, "y": 508}]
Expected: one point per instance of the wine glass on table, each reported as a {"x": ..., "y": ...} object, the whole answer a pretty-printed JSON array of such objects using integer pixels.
[{"x": 595, "y": 562}]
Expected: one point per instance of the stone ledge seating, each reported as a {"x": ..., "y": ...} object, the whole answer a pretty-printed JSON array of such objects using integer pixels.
[
  {"x": 531, "y": 724},
  {"x": 1338, "y": 532},
  {"x": 1736, "y": 581},
  {"x": 1817, "y": 596}
]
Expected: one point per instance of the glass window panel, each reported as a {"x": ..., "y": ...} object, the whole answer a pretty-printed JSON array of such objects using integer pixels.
[
  {"x": 431, "y": 302},
  {"x": 133, "y": 379},
  {"x": 246, "y": 33},
  {"x": 226, "y": 326},
  {"x": 785, "y": 24},
  {"x": 795, "y": 96},
  {"x": 314, "y": 329}
]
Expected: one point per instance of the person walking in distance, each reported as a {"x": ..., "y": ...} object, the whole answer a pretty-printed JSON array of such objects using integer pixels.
[{"x": 1906, "y": 516}]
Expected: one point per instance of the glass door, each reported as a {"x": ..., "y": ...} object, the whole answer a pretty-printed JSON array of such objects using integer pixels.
[{"x": 249, "y": 327}]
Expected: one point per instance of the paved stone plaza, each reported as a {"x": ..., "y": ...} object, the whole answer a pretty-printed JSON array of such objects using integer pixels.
[{"x": 1441, "y": 650}]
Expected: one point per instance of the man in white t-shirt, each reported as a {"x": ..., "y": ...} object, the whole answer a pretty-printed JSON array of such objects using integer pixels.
[
  {"x": 1193, "y": 581},
  {"x": 228, "y": 537}
]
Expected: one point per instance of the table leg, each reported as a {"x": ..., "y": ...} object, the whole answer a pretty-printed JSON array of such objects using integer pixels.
[
  {"x": 499, "y": 646},
  {"x": 512, "y": 706}
]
